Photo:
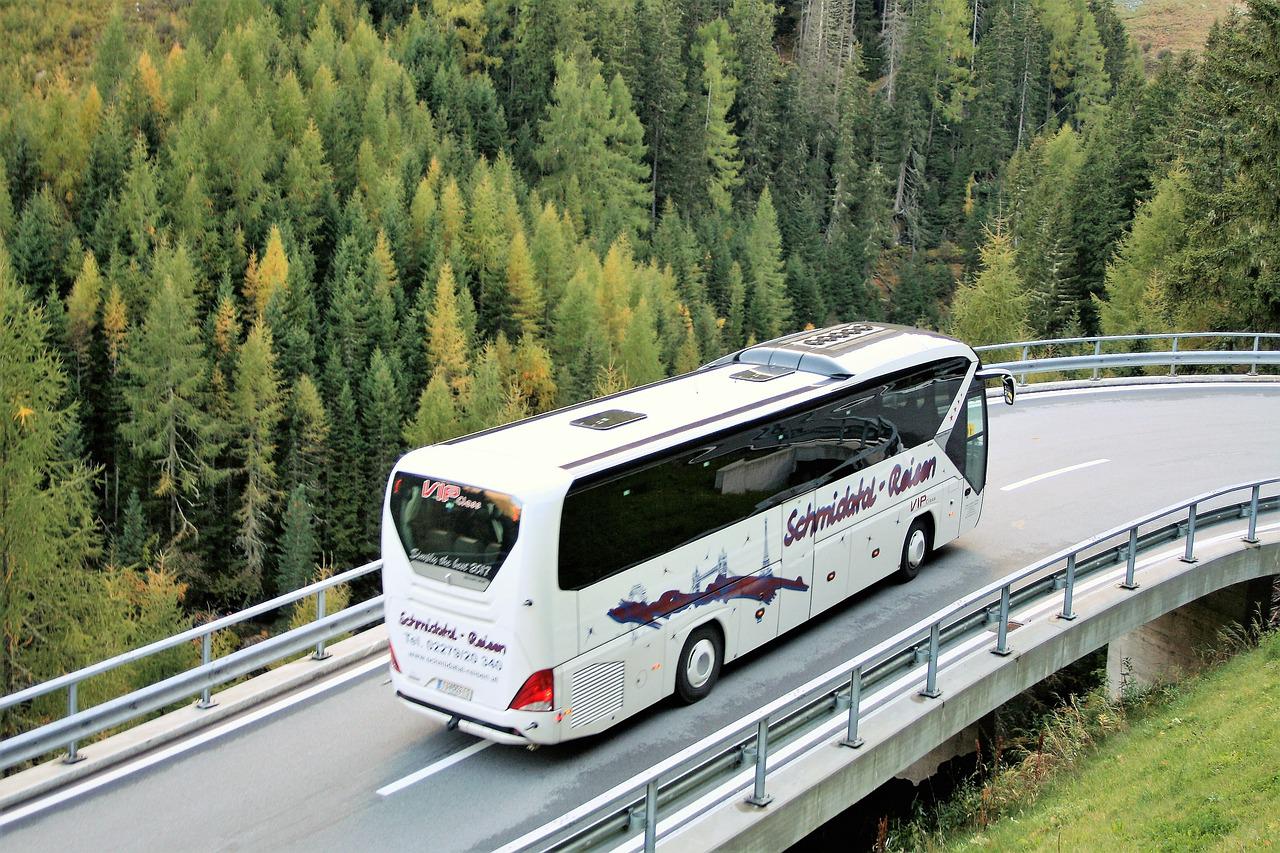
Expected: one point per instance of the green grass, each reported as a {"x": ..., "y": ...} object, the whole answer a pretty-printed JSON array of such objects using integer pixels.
[{"x": 1200, "y": 771}]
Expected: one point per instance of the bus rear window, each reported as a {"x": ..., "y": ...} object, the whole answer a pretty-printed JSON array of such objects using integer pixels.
[{"x": 451, "y": 532}]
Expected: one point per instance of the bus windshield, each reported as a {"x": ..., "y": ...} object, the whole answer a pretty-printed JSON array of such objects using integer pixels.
[{"x": 452, "y": 532}]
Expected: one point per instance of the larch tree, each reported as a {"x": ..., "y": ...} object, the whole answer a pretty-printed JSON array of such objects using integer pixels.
[
  {"x": 258, "y": 410},
  {"x": 47, "y": 530},
  {"x": 639, "y": 356},
  {"x": 592, "y": 152},
  {"x": 1138, "y": 277},
  {"x": 993, "y": 308},
  {"x": 528, "y": 308},
  {"x": 436, "y": 418},
  {"x": 446, "y": 337}
]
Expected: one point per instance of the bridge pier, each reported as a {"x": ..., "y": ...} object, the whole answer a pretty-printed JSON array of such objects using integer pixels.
[{"x": 1174, "y": 644}]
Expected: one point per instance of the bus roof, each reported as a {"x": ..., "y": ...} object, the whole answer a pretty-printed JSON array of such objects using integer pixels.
[{"x": 600, "y": 434}]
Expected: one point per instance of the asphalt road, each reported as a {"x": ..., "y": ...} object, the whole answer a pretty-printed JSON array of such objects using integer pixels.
[{"x": 307, "y": 777}]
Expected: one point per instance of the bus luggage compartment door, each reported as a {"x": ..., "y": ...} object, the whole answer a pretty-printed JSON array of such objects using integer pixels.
[{"x": 830, "y": 571}]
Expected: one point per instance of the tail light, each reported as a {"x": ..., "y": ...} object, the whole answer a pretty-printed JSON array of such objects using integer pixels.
[
  {"x": 395, "y": 664},
  {"x": 537, "y": 694}
]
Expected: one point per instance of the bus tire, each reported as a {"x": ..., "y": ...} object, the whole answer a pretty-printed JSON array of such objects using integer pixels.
[
  {"x": 699, "y": 664},
  {"x": 915, "y": 549}
]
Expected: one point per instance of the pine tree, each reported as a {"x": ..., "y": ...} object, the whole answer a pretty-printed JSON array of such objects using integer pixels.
[
  {"x": 380, "y": 416},
  {"x": 758, "y": 71},
  {"x": 40, "y": 244},
  {"x": 658, "y": 82},
  {"x": 298, "y": 548},
  {"x": 133, "y": 546},
  {"x": 345, "y": 487},
  {"x": 721, "y": 145},
  {"x": 168, "y": 427},
  {"x": 768, "y": 310}
]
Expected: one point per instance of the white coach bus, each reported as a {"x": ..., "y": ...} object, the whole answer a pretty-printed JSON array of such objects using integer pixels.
[{"x": 546, "y": 579}]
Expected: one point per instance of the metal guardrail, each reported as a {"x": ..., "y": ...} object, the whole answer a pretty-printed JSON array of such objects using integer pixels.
[
  {"x": 1099, "y": 360},
  {"x": 613, "y": 817},
  {"x": 79, "y": 724}
]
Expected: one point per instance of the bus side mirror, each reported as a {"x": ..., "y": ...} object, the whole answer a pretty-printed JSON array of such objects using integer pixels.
[{"x": 1010, "y": 390}]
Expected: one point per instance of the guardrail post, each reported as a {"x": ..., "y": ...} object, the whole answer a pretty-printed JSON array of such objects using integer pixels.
[
  {"x": 1189, "y": 555},
  {"x": 320, "y": 654},
  {"x": 1252, "y": 538},
  {"x": 931, "y": 678},
  {"x": 1129, "y": 582},
  {"x": 1026, "y": 351},
  {"x": 1097, "y": 352},
  {"x": 651, "y": 816},
  {"x": 851, "y": 738},
  {"x": 73, "y": 754},
  {"x": 759, "y": 797},
  {"x": 206, "y": 655},
  {"x": 1253, "y": 368},
  {"x": 1173, "y": 365},
  {"x": 1002, "y": 628},
  {"x": 1067, "y": 613}
]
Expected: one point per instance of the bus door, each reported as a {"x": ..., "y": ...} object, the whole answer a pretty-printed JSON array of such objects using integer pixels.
[{"x": 967, "y": 448}]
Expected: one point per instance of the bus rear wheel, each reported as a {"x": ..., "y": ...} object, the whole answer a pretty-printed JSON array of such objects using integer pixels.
[
  {"x": 699, "y": 665},
  {"x": 915, "y": 550}
]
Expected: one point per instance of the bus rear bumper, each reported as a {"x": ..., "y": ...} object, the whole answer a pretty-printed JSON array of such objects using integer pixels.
[{"x": 472, "y": 726}]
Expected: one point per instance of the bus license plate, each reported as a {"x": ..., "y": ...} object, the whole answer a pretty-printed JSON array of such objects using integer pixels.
[{"x": 453, "y": 689}]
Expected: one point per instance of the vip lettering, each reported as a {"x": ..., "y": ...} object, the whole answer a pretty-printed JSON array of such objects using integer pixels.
[
  {"x": 812, "y": 520},
  {"x": 902, "y": 478},
  {"x": 440, "y": 629},
  {"x": 440, "y": 490}
]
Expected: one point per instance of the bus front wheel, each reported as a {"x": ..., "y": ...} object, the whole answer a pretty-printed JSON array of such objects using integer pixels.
[
  {"x": 699, "y": 665},
  {"x": 915, "y": 550}
]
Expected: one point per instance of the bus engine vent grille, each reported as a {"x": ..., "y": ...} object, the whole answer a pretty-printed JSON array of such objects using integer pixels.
[{"x": 596, "y": 692}]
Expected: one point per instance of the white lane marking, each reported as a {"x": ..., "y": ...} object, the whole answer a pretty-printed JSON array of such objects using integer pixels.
[
  {"x": 1038, "y": 477},
  {"x": 148, "y": 760},
  {"x": 433, "y": 768}
]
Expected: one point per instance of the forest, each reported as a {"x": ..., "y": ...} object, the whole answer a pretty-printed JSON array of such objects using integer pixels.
[{"x": 251, "y": 251}]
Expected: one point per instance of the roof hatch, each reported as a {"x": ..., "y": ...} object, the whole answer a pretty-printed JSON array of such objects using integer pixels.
[{"x": 608, "y": 419}]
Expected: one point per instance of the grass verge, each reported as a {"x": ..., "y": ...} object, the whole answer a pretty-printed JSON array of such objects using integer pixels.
[{"x": 1186, "y": 767}]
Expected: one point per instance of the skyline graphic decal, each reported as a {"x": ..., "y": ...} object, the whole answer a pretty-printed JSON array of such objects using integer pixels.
[{"x": 763, "y": 588}]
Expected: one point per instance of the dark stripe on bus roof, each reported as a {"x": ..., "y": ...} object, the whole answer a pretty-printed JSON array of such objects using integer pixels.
[{"x": 622, "y": 448}]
